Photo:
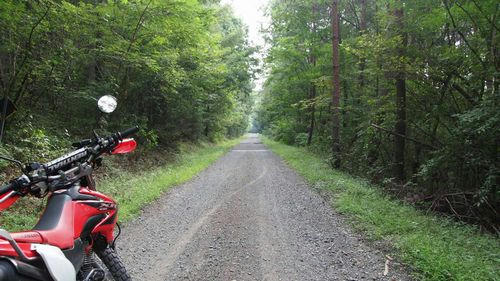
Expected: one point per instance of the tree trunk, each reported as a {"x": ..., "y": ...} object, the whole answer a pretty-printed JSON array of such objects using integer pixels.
[
  {"x": 312, "y": 90},
  {"x": 362, "y": 30},
  {"x": 400, "y": 128},
  {"x": 313, "y": 111},
  {"x": 336, "y": 87}
]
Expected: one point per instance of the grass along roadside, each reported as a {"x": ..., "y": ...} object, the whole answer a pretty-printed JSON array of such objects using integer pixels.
[
  {"x": 132, "y": 191},
  {"x": 435, "y": 247}
]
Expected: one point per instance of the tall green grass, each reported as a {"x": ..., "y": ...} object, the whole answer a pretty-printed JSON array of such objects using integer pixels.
[{"x": 436, "y": 248}]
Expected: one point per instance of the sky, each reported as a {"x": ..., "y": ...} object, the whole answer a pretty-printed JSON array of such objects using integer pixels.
[{"x": 252, "y": 14}]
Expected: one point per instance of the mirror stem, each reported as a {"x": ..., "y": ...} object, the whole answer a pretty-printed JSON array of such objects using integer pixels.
[
  {"x": 4, "y": 116},
  {"x": 14, "y": 161}
]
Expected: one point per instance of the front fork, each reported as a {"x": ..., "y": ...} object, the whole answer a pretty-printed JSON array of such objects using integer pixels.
[{"x": 89, "y": 182}]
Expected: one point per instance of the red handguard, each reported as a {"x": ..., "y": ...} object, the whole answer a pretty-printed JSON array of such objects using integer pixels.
[
  {"x": 7, "y": 202},
  {"x": 125, "y": 146}
]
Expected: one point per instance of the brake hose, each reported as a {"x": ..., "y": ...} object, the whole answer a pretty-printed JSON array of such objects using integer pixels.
[{"x": 116, "y": 237}]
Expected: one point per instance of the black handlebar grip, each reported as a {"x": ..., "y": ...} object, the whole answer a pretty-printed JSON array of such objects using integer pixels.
[
  {"x": 129, "y": 132},
  {"x": 82, "y": 143},
  {"x": 6, "y": 188}
]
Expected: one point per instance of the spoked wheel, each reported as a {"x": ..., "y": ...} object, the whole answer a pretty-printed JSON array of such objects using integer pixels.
[{"x": 104, "y": 265}]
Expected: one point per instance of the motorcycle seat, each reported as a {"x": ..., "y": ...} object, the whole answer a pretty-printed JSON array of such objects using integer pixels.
[{"x": 56, "y": 223}]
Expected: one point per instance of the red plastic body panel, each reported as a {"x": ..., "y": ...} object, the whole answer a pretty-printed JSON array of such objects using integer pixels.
[
  {"x": 8, "y": 202},
  {"x": 24, "y": 240},
  {"x": 106, "y": 206},
  {"x": 28, "y": 237},
  {"x": 74, "y": 216},
  {"x": 125, "y": 146},
  {"x": 6, "y": 249}
]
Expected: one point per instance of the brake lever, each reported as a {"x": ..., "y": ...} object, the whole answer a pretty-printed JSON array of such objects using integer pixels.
[{"x": 22, "y": 184}]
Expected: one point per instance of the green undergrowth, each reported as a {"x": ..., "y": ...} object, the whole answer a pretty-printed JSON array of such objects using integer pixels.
[
  {"x": 436, "y": 248},
  {"x": 132, "y": 188}
]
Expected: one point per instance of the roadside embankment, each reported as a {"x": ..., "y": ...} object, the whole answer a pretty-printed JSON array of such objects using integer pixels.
[{"x": 436, "y": 248}]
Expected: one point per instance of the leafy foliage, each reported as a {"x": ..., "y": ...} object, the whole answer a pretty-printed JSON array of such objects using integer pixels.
[
  {"x": 450, "y": 62},
  {"x": 180, "y": 69}
]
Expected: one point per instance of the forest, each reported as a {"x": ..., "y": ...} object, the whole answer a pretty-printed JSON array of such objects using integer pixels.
[
  {"x": 180, "y": 69},
  {"x": 404, "y": 93},
  {"x": 379, "y": 123}
]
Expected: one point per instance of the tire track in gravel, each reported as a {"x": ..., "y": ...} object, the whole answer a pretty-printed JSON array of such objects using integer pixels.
[
  {"x": 247, "y": 217},
  {"x": 163, "y": 264}
]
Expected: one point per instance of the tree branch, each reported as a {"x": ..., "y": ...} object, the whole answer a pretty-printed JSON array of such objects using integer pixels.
[
  {"x": 445, "y": 2},
  {"x": 403, "y": 136},
  {"x": 350, "y": 22},
  {"x": 22, "y": 87},
  {"x": 28, "y": 50},
  {"x": 2, "y": 75},
  {"x": 477, "y": 26},
  {"x": 489, "y": 21},
  {"x": 464, "y": 94},
  {"x": 353, "y": 8},
  {"x": 132, "y": 40},
  {"x": 137, "y": 26}
]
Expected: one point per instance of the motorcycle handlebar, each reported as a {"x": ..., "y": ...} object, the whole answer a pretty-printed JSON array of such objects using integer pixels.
[
  {"x": 6, "y": 188},
  {"x": 51, "y": 167},
  {"x": 101, "y": 146},
  {"x": 75, "y": 156},
  {"x": 128, "y": 132}
]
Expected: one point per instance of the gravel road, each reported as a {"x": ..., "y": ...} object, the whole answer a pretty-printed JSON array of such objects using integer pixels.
[{"x": 248, "y": 217}]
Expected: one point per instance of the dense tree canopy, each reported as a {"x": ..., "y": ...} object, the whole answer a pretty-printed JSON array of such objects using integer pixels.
[
  {"x": 417, "y": 84},
  {"x": 180, "y": 69},
  {"x": 419, "y": 95}
]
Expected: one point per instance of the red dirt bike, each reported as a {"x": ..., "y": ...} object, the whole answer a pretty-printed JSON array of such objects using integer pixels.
[{"x": 74, "y": 238}]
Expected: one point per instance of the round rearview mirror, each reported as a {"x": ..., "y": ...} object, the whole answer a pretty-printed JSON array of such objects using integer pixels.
[{"x": 107, "y": 103}]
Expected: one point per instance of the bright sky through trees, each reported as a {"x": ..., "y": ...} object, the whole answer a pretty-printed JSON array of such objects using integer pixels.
[{"x": 253, "y": 15}]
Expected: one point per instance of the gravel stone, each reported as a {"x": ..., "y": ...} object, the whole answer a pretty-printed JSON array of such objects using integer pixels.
[{"x": 248, "y": 217}]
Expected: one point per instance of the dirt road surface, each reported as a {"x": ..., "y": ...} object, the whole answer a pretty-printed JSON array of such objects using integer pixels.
[{"x": 248, "y": 217}]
